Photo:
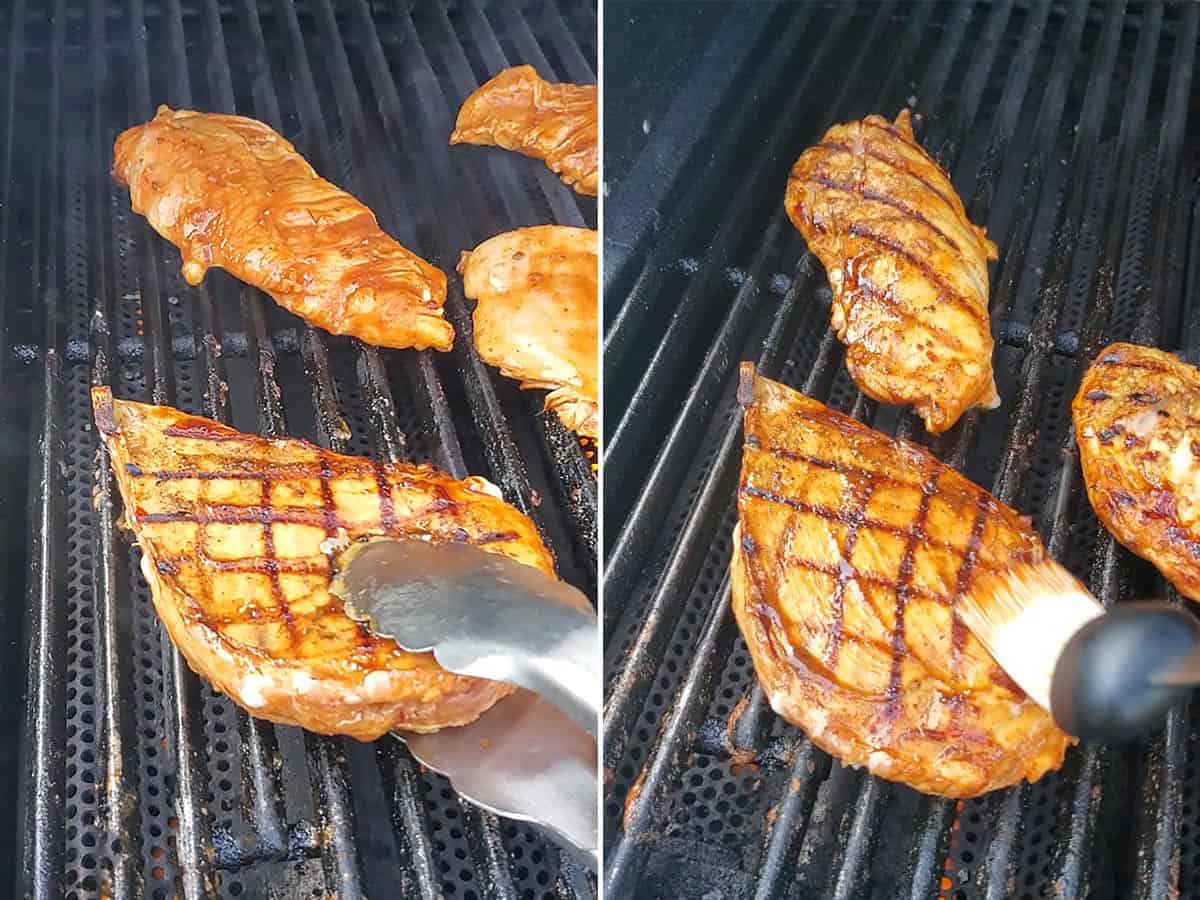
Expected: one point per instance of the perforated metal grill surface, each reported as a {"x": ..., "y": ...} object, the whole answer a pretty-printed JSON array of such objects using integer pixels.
[
  {"x": 1070, "y": 131},
  {"x": 136, "y": 778}
]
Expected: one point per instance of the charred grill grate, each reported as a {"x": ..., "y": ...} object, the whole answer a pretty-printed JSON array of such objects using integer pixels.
[
  {"x": 135, "y": 778},
  {"x": 1070, "y": 130}
]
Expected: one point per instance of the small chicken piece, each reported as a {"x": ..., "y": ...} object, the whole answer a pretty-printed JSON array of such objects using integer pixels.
[
  {"x": 1137, "y": 424},
  {"x": 851, "y": 555},
  {"x": 556, "y": 123},
  {"x": 230, "y": 192},
  {"x": 908, "y": 271},
  {"x": 237, "y": 535},
  {"x": 537, "y": 317}
]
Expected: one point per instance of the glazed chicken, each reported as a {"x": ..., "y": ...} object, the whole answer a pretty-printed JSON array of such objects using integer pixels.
[
  {"x": 230, "y": 192},
  {"x": 537, "y": 316},
  {"x": 908, "y": 271},
  {"x": 851, "y": 553},
  {"x": 1137, "y": 424},
  {"x": 238, "y": 534},
  {"x": 556, "y": 123}
]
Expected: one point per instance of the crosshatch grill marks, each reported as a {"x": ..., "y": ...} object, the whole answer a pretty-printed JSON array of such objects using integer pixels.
[
  {"x": 891, "y": 163},
  {"x": 861, "y": 490},
  {"x": 858, "y": 189},
  {"x": 914, "y": 532},
  {"x": 904, "y": 585},
  {"x": 947, "y": 291},
  {"x": 966, "y": 570},
  {"x": 884, "y": 296},
  {"x": 271, "y": 564},
  {"x": 387, "y": 511},
  {"x": 329, "y": 513}
]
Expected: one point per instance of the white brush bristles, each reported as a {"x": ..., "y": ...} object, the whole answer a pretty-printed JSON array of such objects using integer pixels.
[{"x": 1025, "y": 618}]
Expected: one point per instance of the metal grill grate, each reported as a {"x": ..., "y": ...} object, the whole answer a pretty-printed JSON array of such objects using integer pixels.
[
  {"x": 135, "y": 778},
  {"x": 1070, "y": 131}
]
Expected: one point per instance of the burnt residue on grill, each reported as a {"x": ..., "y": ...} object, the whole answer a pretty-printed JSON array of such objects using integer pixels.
[{"x": 1069, "y": 131}]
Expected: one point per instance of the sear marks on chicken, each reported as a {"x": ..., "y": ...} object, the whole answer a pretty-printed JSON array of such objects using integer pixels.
[
  {"x": 537, "y": 315},
  {"x": 1137, "y": 424},
  {"x": 230, "y": 192},
  {"x": 238, "y": 535},
  {"x": 556, "y": 123},
  {"x": 908, "y": 271},
  {"x": 851, "y": 554}
]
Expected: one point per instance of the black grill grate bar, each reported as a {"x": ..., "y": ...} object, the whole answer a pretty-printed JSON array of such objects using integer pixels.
[
  {"x": 809, "y": 769},
  {"x": 659, "y": 163},
  {"x": 932, "y": 89},
  {"x": 121, "y": 816},
  {"x": 410, "y": 821},
  {"x": 647, "y": 801},
  {"x": 180, "y": 685},
  {"x": 41, "y": 788},
  {"x": 634, "y": 306},
  {"x": 1014, "y": 271},
  {"x": 260, "y": 747},
  {"x": 647, "y": 509},
  {"x": 645, "y": 404}
]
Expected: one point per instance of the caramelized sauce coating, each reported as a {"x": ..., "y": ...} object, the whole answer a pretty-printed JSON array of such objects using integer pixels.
[
  {"x": 556, "y": 123},
  {"x": 851, "y": 554},
  {"x": 908, "y": 270},
  {"x": 237, "y": 535},
  {"x": 1137, "y": 423},
  {"x": 230, "y": 192}
]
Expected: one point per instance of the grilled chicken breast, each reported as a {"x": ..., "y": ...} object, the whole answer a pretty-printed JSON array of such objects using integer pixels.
[
  {"x": 236, "y": 534},
  {"x": 556, "y": 123},
  {"x": 851, "y": 554},
  {"x": 537, "y": 316},
  {"x": 230, "y": 192},
  {"x": 908, "y": 271},
  {"x": 1137, "y": 423}
]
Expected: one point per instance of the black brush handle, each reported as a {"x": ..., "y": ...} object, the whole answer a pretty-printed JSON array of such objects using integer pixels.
[{"x": 1120, "y": 674}]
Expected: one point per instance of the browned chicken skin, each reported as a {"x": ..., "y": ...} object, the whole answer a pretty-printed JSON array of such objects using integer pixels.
[
  {"x": 230, "y": 192},
  {"x": 537, "y": 316},
  {"x": 237, "y": 534},
  {"x": 908, "y": 271},
  {"x": 1137, "y": 423},
  {"x": 852, "y": 551},
  {"x": 557, "y": 123}
]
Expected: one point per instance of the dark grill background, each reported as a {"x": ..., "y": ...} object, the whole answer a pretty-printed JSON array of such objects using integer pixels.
[
  {"x": 1071, "y": 131},
  {"x": 135, "y": 779}
]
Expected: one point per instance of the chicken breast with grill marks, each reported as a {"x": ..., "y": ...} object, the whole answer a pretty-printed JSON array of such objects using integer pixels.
[
  {"x": 537, "y": 315},
  {"x": 556, "y": 123},
  {"x": 237, "y": 533},
  {"x": 1137, "y": 424},
  {"x": 852, "y": 552},
  {"x": 230, "y": 192},
  {"x": 908, "y": 270}
]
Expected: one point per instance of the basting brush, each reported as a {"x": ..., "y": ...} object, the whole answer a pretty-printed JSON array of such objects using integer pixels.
[{"x": 1109, "y": 675}]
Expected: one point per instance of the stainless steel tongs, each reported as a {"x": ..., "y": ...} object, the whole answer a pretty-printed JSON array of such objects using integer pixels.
[{"x": 532, "y": 756}]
